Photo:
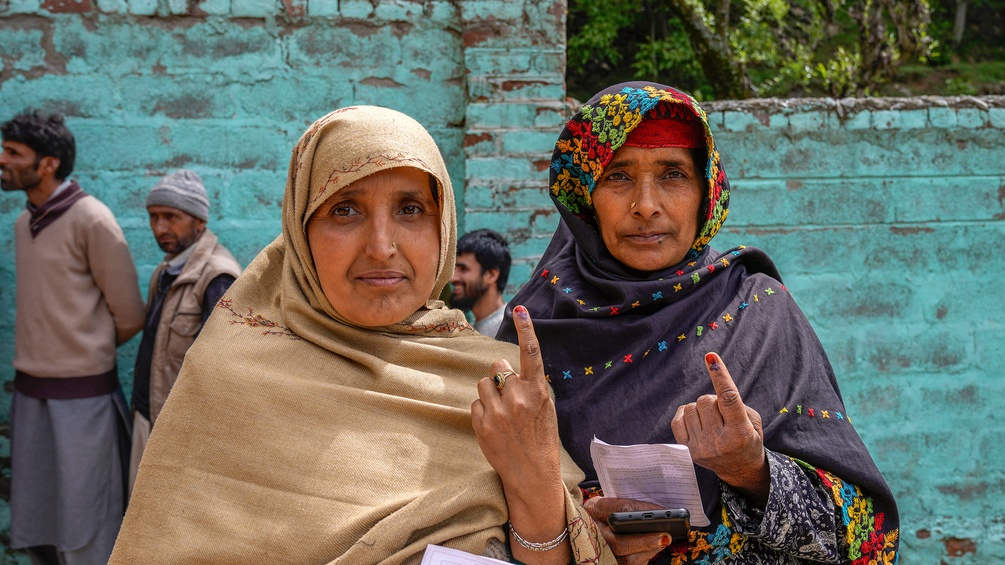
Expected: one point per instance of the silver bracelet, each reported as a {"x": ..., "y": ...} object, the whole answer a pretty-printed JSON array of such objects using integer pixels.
[{"x": 546, "y": 546}]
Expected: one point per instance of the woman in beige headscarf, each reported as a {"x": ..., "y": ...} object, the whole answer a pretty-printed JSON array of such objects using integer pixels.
[{"x": 325, "y": 413}]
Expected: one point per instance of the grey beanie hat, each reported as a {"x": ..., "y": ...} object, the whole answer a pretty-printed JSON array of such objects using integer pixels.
[{"x": 183, "y": 190}]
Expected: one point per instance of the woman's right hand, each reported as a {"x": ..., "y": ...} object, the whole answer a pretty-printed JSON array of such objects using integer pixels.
[
  {"x": 630, "y": 549},
  {"x": 517, "y": 428}
]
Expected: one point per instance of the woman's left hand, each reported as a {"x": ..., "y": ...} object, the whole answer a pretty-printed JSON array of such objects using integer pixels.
[
  {"x": 725, "y": 436},
  {"x": 517, "y": 428},
  {"x": 629, "y": 549}
]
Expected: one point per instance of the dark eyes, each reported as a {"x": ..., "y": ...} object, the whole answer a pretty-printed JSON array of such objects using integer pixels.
[
  {"x": 619, "y": 176},
  {"x": 345, "y": 210}
]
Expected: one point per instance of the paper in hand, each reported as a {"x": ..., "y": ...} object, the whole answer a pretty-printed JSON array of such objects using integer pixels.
[
  {"x": 439, "y": 555},
  {"x": 661, "y": 473}
]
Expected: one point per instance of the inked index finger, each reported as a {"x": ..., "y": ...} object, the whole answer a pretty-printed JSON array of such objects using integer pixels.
[
  {"x": 730, "y": 404},
  {"x": 531, "y": 364}
]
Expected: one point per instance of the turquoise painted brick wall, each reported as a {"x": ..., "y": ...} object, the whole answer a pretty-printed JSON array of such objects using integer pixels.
[{"x": 886, "y": 219}]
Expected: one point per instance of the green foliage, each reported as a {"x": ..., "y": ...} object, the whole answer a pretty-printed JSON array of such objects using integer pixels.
[
  {"x": 753, "y": 40},
  {"x": 596, "y": 38},
  {"x": 612, "y": 41},
  {"x": 778, "y": 47},
  {"x": 838, "y": 74},
  {"x": 671, "y": 56},
  {"x": 960, "y": 86},
  {"x": 983, "y": 37}
]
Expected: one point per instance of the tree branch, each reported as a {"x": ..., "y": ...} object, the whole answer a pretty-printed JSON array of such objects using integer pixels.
[{"x": 728, "y": 79}]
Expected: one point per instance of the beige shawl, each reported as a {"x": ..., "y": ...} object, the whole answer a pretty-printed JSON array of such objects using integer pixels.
[{"x": 294, "y": 436}]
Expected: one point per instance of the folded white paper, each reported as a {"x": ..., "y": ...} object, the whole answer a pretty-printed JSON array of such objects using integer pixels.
[
  {"x": 439, "y": 555},
  {"x": 661, "y": 473}
]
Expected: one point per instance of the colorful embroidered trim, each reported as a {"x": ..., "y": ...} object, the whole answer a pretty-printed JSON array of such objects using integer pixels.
[
  {"x": 722, "y": 323},
  {"x": 817, "y": 412},
  {"x": 709, "y": 547},
  {"x": 867, "y": 543},
  {"x": 701, "y": 547}
]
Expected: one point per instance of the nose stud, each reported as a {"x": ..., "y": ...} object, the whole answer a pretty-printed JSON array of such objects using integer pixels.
[
  {"x": 633, "y": 205},
  {"x": 394, "y": 245}
]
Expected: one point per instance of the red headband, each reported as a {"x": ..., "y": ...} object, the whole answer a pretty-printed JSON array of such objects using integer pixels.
[{"x": 667, "y": 132}]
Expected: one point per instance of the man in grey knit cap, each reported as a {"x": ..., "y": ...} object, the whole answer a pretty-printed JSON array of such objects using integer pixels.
[{"x": 184, "y": 290}]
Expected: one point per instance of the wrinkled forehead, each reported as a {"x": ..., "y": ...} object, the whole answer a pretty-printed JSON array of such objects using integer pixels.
[
  {"x": 329, "y": 184},
  {"x": 355, "y": 143},
  {"x": 392, "y": 184}
]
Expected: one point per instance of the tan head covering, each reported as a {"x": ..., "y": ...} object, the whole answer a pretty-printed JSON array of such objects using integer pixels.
[
  {"x": 336, "y": 151},
  {"x": 294, "y": 436}
]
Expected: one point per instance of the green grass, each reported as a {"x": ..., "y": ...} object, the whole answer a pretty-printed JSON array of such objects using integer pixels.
[{"x": 974, "y": 79}]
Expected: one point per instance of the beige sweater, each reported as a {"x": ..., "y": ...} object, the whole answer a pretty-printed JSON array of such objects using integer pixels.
[{"x": 76, "y": 291}]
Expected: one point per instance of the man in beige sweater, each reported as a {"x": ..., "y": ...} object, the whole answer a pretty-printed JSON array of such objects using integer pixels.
[{"x": 77, "y": 299}]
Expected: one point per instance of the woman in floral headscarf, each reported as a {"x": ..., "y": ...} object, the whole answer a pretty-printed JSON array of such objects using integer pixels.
[
  {"x": 630, "y": 303},
  {"x": 325, "y": 412}
]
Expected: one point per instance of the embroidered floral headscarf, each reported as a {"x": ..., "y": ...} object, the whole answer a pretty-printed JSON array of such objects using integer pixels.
[{"x": 602, "y": 126}]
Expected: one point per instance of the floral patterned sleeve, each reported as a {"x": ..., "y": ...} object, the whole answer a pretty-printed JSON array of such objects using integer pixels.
[{"x": 811, "y": 515}]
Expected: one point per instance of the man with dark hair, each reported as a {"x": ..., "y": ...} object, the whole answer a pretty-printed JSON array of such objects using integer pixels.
[
  {"x": 184, "y": 290},
  {"x": 77, "y": 299},
  {"x": 480, "y": 276}
]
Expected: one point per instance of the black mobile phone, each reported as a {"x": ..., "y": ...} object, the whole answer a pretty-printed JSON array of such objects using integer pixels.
[{"x": 676, "y": 521}]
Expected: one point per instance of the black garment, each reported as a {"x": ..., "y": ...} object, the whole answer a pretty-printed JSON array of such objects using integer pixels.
[
  {"x": 623, "y": 350},
  {"x": 141, "y": 382}
]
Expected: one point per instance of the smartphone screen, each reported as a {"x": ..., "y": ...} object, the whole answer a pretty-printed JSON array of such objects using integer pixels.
[{"x": 677, "y": 522}]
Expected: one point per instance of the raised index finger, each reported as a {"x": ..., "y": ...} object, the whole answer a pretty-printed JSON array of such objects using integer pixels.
[
  {"x": 730, "y": 404},
  {"x": 531, "y": 366}
]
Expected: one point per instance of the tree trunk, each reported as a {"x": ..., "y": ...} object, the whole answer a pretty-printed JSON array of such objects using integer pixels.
[
  {"x": 728, "y": 79},
  {"x": 875, "y": 54},
  {"x": 722, "y": 21},
  {"x": 961, "y": 20}
]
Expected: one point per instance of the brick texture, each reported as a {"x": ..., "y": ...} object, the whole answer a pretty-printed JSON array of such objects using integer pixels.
[{"x": 885, "y": 223}]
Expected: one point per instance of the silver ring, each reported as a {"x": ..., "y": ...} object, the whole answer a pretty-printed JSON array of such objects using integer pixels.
[{"x": 500, "y": 379}]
